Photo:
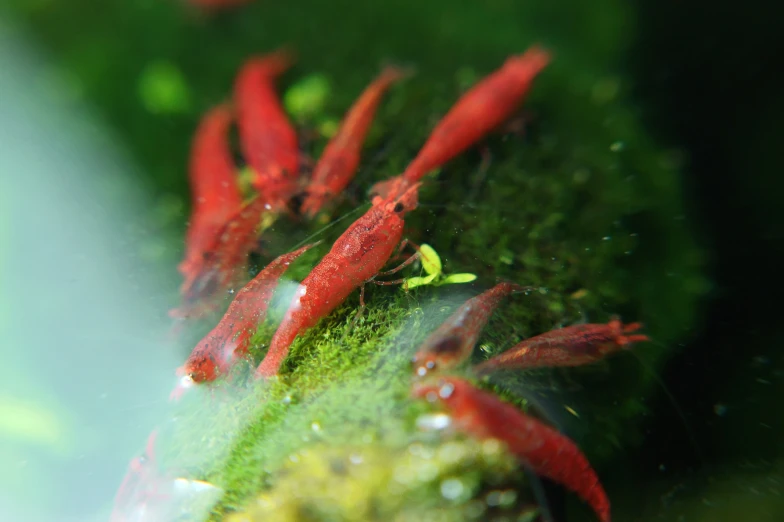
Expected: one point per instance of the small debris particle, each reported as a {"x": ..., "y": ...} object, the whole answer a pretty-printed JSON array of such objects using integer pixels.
[
  {"x": 579, "y": 294},
  {"x": 618, "y": 146}
]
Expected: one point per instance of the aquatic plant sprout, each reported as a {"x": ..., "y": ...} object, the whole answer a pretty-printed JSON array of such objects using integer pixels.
[{"x": 431, "y": 263}]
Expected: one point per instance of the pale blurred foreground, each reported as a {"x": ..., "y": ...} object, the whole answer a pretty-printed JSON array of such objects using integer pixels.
[{"x": 86, "y": 366}]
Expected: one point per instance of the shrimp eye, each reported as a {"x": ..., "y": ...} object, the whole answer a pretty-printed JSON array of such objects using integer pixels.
[{"x": 399, "y": 207}]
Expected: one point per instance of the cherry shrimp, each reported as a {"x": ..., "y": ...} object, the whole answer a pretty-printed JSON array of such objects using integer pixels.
[
  {"x": 267, "y": 138},
  {"x": 215, "y": 195},
  {"x": 483, "y": 108},
  {"x": 452, "y": 342},
  {"x": 223, "y": 264},
  {"x": 355, "y": 258},
  {"x": 547, "y": 452},
  {"x": 230, "y": 339},
  {"x": 340, "y": 158},
  {"x": 575, "y": 345}
]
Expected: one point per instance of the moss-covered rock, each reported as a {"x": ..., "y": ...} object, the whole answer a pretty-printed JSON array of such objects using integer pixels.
[{"x": 423, "y": 481}]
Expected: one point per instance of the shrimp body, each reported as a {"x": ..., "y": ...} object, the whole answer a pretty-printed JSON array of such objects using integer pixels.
[
  {"x": 571, "y": 346},
  {"x": 477, "y": 112},
  {"x": 548, "y": 453},
  {"x": 356, "y": 257},
  {"x": 452, "y": 342},
  {"x": 139, "y": 483},
  {"x": 223, "y": 264},
  {"x": 214, "y": 192},
  {"x": 341, "y": 156},
  {"x": 230, "y": 339},
  {"x": 267, "y": 138}
]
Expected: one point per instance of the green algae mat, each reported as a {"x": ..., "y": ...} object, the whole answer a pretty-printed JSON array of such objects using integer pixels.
[{"x": 577, "y": 201}]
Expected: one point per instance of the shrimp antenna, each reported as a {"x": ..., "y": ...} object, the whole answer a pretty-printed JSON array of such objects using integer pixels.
[
  {"x": 687, "y": 427},
  {"x": 328, "y": 226},
  {"x": 535, "y": 483}
]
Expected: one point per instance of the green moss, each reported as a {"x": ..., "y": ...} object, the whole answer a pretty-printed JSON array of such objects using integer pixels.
[{"x": 423, "y": 481}]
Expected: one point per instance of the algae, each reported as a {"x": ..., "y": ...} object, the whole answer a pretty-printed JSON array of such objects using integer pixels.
[{"x": 578, "y": 201}]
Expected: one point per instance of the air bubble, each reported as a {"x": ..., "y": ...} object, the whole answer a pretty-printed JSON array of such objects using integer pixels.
[{"x": 446, "y": 390}]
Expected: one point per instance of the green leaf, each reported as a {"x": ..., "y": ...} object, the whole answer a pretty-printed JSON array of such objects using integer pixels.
[
  {"x": 458, "y": 278},
  {"x": 430, "y": 260},
  {"x": 413, "y": 282}
]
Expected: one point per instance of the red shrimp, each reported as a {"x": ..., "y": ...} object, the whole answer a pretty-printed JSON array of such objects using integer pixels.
[
  {"x": 548, "y": 453},
  {"x": 355, "y": 258},
  {"x": 149, "y": 493},
  {"x": 452, "y": 342},
  {"x": 215, "y": 195},
  {"x": 223, "y": 265},
  {"x": 230, "y": 339},
  {"x": 571, "y": 346},
  {"x": 341, "y": 156},
  {"x": 483, "y": 108},
  {"x": 142, "y": 475},
  {"x": 267, "y": 138}
]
